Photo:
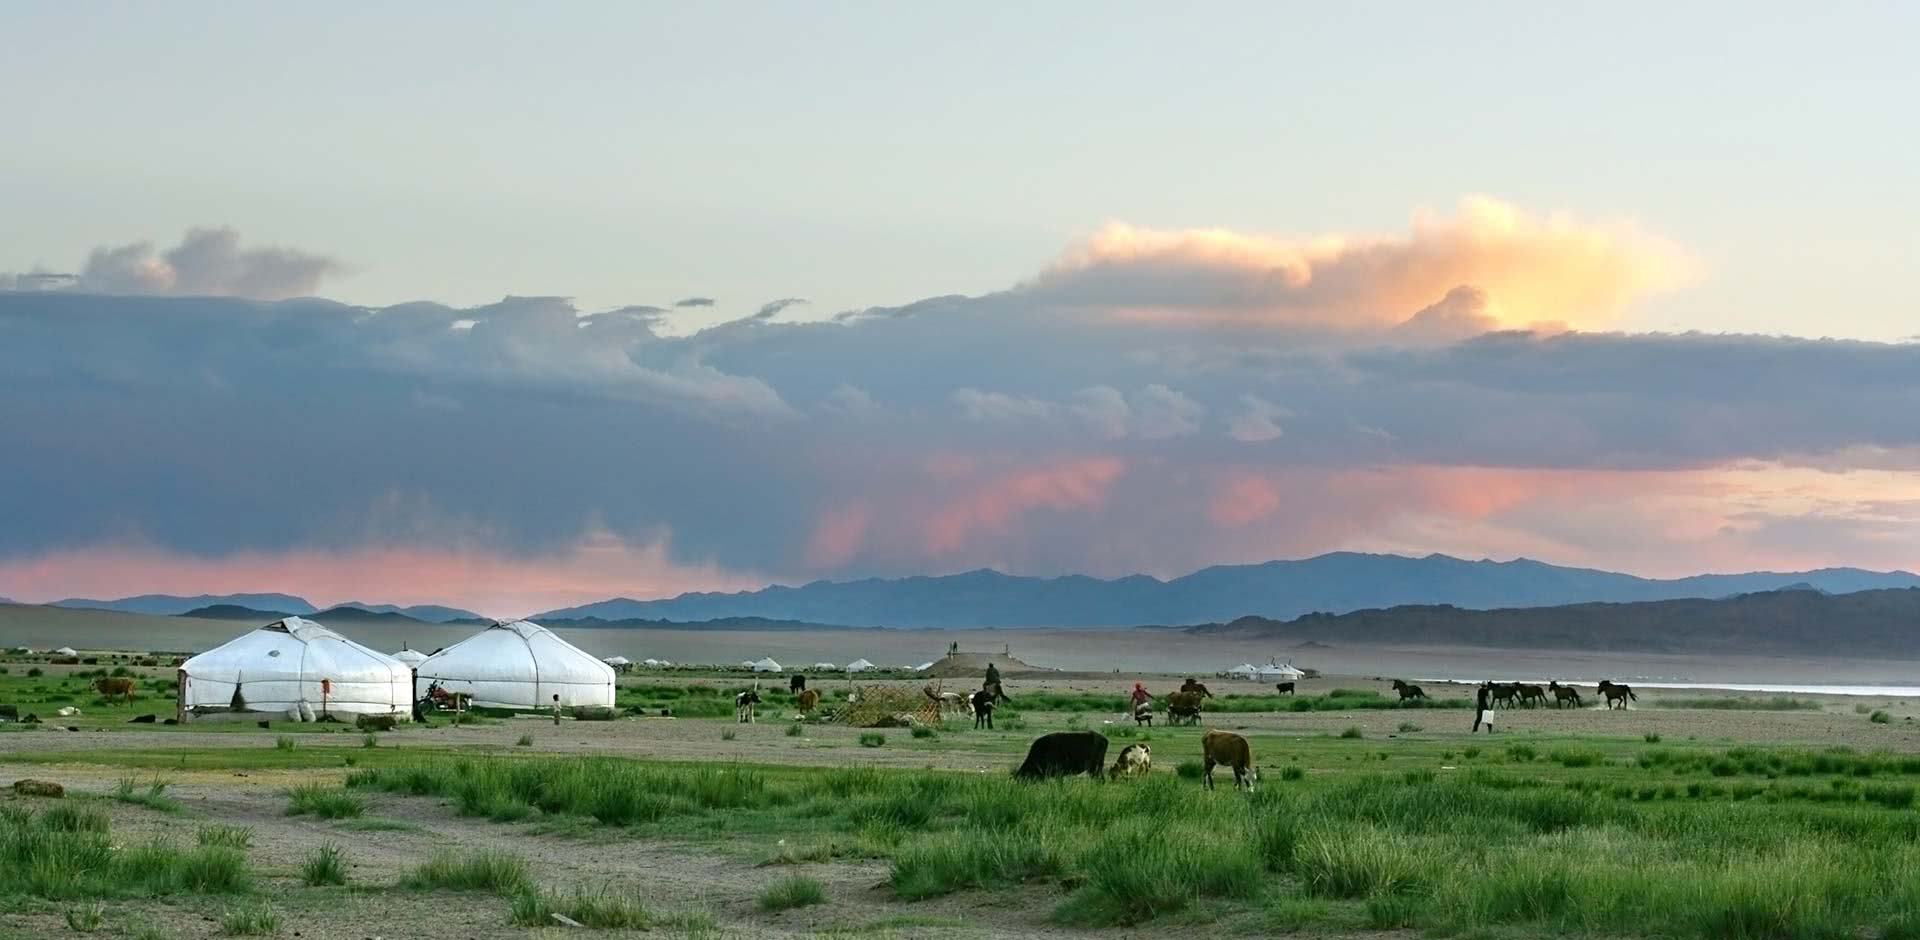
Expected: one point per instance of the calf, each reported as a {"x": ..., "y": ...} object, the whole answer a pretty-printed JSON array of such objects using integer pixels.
[
  {"x": 114, "y": 688},
  {"x": 743, "y": 705},
  {"x": 1134, "y": 759},
  {"x": 1231, "y": 750},
  {"x": 1065, "y": 754},
  {"x": 809, "y": 699}
]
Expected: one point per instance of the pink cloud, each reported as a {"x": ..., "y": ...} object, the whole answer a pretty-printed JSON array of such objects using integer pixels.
[
  {"x": 601, "y": 565},
  {"x": 993, "y": 505},
  {"x": 1244, "y": 499},
  {"x": 837, "y": 535}
]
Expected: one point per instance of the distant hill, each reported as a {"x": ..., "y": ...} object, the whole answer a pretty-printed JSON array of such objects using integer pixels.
[
  {"x": 1336, "y": 583},
  {"x": 1783, "y": 622},
  {"x": 723, "y": 623},
  {"x": 363, "y": 615},
  {"x": 235, "y": 612},
  {"x": 426, "y": 613},
  {"x": 174, "y": 605}
]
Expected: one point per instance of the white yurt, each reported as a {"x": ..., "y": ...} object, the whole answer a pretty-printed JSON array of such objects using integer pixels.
[
  {"x": 1245, "y": 671},
  {"x": 1280, "y": 673},
  {"x": 619, "y": 663},
  {"x": 518, "y": 664},
  {"x": 66, "y": 651},
  {"x": 412, "y": 658},
  {"x": 859, "y": 665},
  {"x": 824, "y": 667},
  {"x": 281, "y": 667},
  {"x": 650, "y": 663},
  {"x": 766, "y": 665}
]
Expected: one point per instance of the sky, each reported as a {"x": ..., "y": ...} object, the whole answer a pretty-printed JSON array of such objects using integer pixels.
[{"x": 515, "y": 308}]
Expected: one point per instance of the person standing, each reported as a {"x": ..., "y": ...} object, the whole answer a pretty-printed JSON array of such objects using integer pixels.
[{"x": 1481, "y": 713}]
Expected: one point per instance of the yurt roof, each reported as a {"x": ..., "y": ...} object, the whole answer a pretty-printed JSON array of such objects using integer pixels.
[
  {"x": 509, "y": 662},
  {"x": 270, "y": 650},
  {"x": 766, "y": 664},
  {"x": 410, "y": 657},
  {"x": 825, "y": 666},
  {"x": 859, "y": 664},
  {"x": 617, "y": 661}
]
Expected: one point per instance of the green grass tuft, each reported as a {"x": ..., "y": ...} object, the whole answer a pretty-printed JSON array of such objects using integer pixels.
[
  {"x": 284, "y": 743},
  {"x": 1353, "y": 732},
  {"x": 873, "y": 739},
  {"x": 324, "y": 801},
  {"x": 486, "y": 870},
  {"x": 792, "y": 892},
  {"x": 323, "y": 867},
  {"x": 231, "y": 837},
  {"x": 251, "y": 919}
]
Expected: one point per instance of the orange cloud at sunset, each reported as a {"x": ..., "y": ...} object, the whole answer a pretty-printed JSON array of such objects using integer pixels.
[
  {"x": 994, "y": 504},
  {"x": 1524, "y": 269}
]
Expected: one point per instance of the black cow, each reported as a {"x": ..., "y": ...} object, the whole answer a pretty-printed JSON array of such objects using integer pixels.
[
  {"x": 797, "y": 684},
  {"x": 1065, "y": 754},
  {"x": 1286, "y": 688},
  {"x": 983, "y": 707}
]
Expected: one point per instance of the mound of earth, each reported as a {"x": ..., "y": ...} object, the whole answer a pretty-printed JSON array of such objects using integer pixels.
[{"x": 964, "y": 665}]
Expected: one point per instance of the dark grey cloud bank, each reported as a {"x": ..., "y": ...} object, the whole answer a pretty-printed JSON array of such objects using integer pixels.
[{"x": 210, "y": 425}]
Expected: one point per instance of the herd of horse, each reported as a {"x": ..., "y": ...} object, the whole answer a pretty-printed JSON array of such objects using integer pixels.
[{"x": 1524, "y": 695}]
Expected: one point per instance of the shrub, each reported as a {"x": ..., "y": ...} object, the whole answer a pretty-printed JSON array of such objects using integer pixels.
[
  {"x": 1137, "y": 870},
  {"x": 153, "y": 796},
  {"x": 1521, "y": 753},
  {"x": 1408, "y": 727},
  {"x": 729, "y": 734},
  {"x": 85, "y": 919},
  {"x": 922, "y": 731},
  {"x": 1880, "y": 718},
  {"x": 283, "y": 743},
  {"x": 795, "y": 730},
  {"x": 797, "y": 891},
  {"x": 323, "y": 867},
  {"x": 873, "y": 739},
  {"x": 602, "y": 911},
  {"x": 526, "y": 740},
  {"x": 35, "y": 672},
  {"x": 230, "y": 837},
  {"x": 1651, "y": 737},
  {"x": 324, "y": 801},
  {"x": 369, "y": 740},
  {"x": 1353, "y": 732},
  {"x": 1293, "y": 772},
  {"x": 249, "y": 920},
  {"x": 487, "y": 870},
  {"x": 1355, "y": 861},
  {"x": 1189, "y": 769}
]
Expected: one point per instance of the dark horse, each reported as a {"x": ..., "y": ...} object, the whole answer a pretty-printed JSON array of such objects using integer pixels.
[
  {"x": 1615, "y": 692},
  {"x": 797, "y": 684},
  {"x": 1408, "y": 692},
  {"x": 1562, "y": 694},
  {"x": 1531, "y": 695},
  {"x": 1506, "y": 693}
]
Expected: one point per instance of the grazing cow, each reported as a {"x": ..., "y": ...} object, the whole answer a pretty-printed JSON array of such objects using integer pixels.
[
  {"x": 1617, "y": 693},
  {"x": 1408, "y": 692},
  {"x": 1562, "y": 694},
  {"x": 1183, "y": 705},
  {"x": 982, "y": 702},
  {"x": 1143, "y": 714},
  {"x": 1224, "y": 748},
  {"x": 797, "y": 684},
  {"x": 114, "y": 688},
  {"x": 1065, "y": 754},
  {"x": 1134, "y": 760},
  {"x": 809, "y": 699},
  {"x": 1531, "y": 695},
  {"x": 743, "y": 705},
  {"x": 1284, "y": 688},
  {"x": 1196, "y": 686}
]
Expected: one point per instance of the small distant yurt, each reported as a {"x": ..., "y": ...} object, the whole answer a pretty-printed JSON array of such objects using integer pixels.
[
  {"x": 294, "y": 665},
  {"x": 518, "y": 664},
  {"x": 1245, "y": 671},
  {"x": 859, "y": 665},
  {"x": 650, "y": 663},
  {"x": 619, "y": 663},
  {"x": 66, "y": 651},
  {"x": 1280, "y": 673},
  {"x": 766, "y": 665},
  {"x": 824, "y": 667},
  {"x": 412, "y": 658}
]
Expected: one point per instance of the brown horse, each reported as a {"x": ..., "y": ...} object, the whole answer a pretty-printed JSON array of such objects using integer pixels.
[
  {"x": 1408, "y": 692},
  {"x": 1503, "y": 693},
  {"x": 1617, "y": 693},
  {"x": 1562, "y": 694},
  {"x": 1531, "y": 695}
]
